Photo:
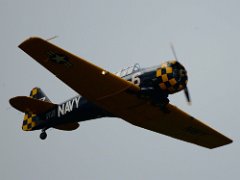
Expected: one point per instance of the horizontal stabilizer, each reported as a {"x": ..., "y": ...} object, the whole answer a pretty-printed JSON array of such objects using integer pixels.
[
  {"x": 67, "y": 126},
  {"x": 29, "y": 105}
]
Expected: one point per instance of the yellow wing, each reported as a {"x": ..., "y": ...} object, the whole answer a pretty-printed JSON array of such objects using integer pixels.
[
  {"x": 117, "y": 96},
  {"x": 87, "y": 79}
]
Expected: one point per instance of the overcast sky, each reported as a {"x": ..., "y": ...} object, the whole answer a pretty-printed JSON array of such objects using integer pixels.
[{"x": 114, "y": 34}]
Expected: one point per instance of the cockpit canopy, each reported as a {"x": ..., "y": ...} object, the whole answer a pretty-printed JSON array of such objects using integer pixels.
[{"x": 128, "y": 70}]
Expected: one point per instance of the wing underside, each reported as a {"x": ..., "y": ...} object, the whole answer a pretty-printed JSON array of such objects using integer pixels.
[{"x": 117, "y": 96}]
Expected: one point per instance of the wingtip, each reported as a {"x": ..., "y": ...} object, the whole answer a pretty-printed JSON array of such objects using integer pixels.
[
  {"x": 230, "y": 141},
  {"x": 22, "y": 44},
  {"x": 227, "y": 142}
]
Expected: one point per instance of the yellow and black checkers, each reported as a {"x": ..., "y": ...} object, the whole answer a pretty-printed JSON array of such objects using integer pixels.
[
  {"x": 34, "y": 93},
  {"x": 172, "y": 77},
  {"x": 37, "y": 93},
  {"x": 28, "y": 122}
]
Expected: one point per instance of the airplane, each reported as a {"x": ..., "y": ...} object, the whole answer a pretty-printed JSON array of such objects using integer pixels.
[{"x": 137, "y": 95}]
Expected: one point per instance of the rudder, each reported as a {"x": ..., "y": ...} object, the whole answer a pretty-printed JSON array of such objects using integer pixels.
[
  {"x": 31, "y": 120},
  {"x": 37, "y": 93}
]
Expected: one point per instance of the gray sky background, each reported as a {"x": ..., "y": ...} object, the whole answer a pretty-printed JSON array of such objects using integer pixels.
[{"x": 114, "y": 34}]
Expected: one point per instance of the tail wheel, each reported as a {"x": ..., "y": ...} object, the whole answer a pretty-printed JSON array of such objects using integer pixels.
[{"x": 43, "y": 135}]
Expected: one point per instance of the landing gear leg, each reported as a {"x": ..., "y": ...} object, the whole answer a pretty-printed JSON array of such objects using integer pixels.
[
  {"x": 162, "y": 104},
  {"x": 43, "y": 134}
]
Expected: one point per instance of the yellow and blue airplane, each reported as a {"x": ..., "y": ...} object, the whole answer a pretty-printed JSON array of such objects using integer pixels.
[{"x": 137, "y": 95}]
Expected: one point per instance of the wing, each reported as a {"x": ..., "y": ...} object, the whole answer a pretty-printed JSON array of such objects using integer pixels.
[
  {"x": 87, "y": 79},
  {"x": 118, "y": 96}
]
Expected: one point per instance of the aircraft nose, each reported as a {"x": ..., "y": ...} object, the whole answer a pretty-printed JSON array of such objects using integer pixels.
[{"x": 172, "y": 77}]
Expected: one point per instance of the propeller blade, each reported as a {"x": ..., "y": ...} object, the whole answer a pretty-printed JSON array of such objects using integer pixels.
[
  {"x": 174, "y": 52},
  {"x": 186, "y": 89},
  {"x": 187, "y": 95},
  {"x": 51, "y": 38}
]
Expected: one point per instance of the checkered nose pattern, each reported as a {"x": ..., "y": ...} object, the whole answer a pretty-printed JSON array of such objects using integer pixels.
[{"x": 172, "y": 77}]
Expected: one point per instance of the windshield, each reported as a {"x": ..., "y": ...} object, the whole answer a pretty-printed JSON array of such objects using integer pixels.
[{"x": 128, "y": 70}]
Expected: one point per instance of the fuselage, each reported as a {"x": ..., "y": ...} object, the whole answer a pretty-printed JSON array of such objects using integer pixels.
[{"x": 80, "y": 109}]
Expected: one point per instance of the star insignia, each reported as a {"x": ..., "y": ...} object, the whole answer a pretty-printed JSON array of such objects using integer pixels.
[{"x": 59, "y": 59}]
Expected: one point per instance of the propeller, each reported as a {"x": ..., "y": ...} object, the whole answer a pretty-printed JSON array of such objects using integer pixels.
[
  {"x": 51, "y": 38},
  {"x": 174, "y": 52},
  {"x": 186, "y": 92}
]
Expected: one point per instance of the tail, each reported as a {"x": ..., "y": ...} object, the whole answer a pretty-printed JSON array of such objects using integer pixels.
[
  {"x": 37, "y": 93},
  {"x": 31, "y": 120}
]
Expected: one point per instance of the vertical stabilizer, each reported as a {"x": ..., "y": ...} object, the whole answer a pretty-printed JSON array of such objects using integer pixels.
[
  {"x": 37, "y": 93},
  {"x": 30, "y": 120}
]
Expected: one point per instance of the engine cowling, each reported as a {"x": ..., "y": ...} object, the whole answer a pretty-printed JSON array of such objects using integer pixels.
[{"x": 171, "y": 77}]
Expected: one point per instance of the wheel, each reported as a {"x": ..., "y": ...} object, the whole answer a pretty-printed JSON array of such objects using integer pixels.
[{"x": 43, "y": 135}]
